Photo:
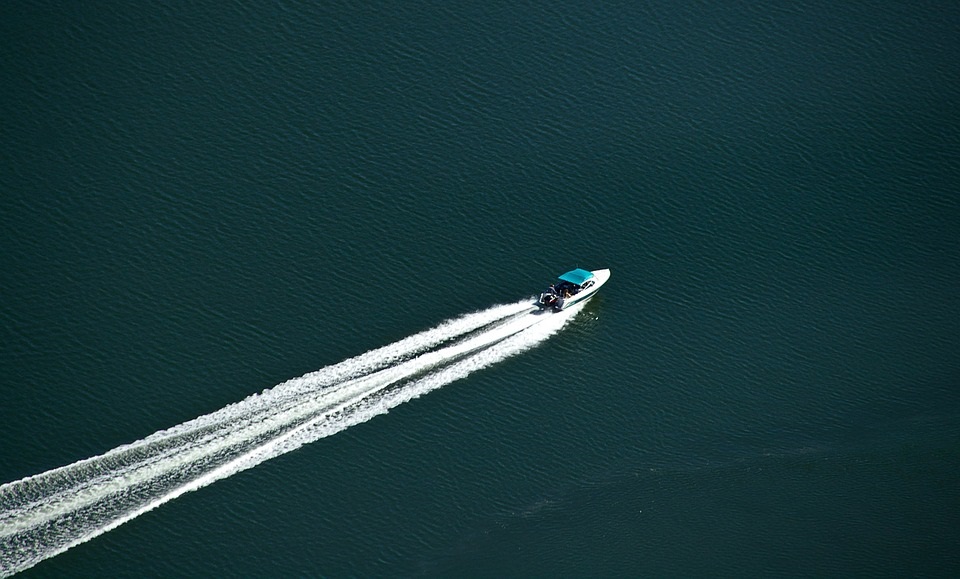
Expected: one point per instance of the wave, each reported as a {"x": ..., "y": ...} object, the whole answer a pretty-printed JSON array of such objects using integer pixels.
[{"x": 46, "y": 514}]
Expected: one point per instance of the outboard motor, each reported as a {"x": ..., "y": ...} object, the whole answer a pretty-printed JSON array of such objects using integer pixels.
[{"x": 547, "y": 299}]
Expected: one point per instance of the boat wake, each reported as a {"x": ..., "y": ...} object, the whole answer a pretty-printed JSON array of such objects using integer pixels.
[{"x": 44, "y": 515}]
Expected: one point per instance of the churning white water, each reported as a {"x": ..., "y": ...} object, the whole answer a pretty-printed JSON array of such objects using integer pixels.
[{"x": 46, "y": 514}]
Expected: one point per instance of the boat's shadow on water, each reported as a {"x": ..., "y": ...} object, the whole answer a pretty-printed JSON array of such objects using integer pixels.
[
  {"x": 538, "y": 311},
  {"x": 591, "y": 306}
]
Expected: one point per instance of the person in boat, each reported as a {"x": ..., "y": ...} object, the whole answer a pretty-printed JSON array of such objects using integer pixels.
[{"x": 565, "y": 289}]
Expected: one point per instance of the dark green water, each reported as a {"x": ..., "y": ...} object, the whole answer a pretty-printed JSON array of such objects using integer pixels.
[{"x": 202, "y": 200}]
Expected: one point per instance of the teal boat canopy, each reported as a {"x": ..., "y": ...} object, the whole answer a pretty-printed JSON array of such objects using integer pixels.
[{"x": 577, "y": 276}]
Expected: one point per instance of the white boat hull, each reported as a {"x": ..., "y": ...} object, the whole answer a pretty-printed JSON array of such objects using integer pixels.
[
  {"x": 600, "y": 277},
  {"x": 553, "y": 301}
]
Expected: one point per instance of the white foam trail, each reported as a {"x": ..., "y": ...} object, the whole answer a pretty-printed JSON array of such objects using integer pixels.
[
  {"x": 184, "y": 440},
  {"x": 357, "y": 366},
  {"x": 46, "y": 514}
]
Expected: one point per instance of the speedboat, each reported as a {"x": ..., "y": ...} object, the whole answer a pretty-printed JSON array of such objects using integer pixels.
[{"x": 574, "y": 286}]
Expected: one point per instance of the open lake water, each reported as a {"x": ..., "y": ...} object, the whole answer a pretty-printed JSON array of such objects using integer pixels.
[{"x": 202, "y": 201}]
